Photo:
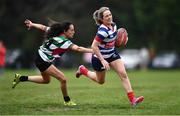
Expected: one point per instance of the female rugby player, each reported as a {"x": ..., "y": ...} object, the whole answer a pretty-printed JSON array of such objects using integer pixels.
[
  {"x": 106, "y": 56},
  {"x": 57, "y": 42}
]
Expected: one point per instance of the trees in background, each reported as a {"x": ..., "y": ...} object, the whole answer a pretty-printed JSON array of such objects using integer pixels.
[{"x": 150, "y": 23}]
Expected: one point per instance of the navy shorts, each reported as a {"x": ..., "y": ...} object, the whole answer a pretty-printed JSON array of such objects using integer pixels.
[
  {"x": 97, "y": 65},
  {"x": 41, "y": 64}
]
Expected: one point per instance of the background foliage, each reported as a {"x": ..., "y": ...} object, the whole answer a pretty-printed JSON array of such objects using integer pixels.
[{"x": 150, "y": 23}]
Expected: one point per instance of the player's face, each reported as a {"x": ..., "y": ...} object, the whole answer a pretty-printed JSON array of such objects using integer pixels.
[
  {"x": 70, "y": 32},
  {"x": 107, "y": 17}
]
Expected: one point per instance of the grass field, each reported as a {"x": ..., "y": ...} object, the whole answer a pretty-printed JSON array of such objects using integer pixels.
[{"x": 161, "y": 90}]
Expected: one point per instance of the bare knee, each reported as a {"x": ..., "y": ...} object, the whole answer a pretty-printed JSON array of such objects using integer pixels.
[
  {"x": 100, "y": 79},
  {"x": 123, "y": 75},
  {"x": 46, "y": 81},
  {"x": 62, "y": 79},
  {"x": 101, "y": 82}
]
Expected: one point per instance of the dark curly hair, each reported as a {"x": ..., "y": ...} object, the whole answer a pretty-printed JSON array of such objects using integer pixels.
[{"x": 57, "y": 28}]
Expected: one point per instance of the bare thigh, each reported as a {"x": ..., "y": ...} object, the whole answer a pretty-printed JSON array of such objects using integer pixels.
[
  {"x": 53, "y": 71},
  {"x": 119, "y": 67}
]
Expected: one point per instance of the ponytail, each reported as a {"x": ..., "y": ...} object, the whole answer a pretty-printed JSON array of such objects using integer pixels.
[{"x": 98, "y": 15}]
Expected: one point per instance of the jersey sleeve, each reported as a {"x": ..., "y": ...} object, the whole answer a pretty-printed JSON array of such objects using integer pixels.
[
  {"x": 62, "y": 43},
  {"x": 69, "y": 43},
  {"x": 102, "y": 34}
]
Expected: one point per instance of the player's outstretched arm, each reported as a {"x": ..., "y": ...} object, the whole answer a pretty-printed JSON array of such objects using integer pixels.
[
  {"x": 80, "y": 49},
  {"x": 30, "y": 25}
]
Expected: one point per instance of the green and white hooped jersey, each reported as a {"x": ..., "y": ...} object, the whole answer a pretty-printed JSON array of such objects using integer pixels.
[{"x": 54, "y": 47}]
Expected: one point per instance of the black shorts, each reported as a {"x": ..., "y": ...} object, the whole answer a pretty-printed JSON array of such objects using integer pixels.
[
  {"x": 97, "y": 65},
  {"x": 41, "y": 64}
]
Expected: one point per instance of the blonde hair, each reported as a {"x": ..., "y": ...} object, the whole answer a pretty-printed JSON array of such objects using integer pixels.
[{"x": 98, "y": 15}]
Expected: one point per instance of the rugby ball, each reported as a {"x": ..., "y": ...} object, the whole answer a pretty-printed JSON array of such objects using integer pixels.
[{"x": 122, "y": 37}]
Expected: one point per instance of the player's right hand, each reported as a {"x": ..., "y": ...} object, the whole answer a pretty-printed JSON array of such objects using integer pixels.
[
  {"x": 28, "y": 23},
  {"x": 105, "y": 64}
]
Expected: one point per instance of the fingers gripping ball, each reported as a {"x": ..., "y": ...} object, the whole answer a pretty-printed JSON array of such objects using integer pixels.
[{"x": 122, "y": 37}]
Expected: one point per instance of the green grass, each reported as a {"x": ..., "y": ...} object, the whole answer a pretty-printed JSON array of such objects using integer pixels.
[{"x": 161, "y": 90}]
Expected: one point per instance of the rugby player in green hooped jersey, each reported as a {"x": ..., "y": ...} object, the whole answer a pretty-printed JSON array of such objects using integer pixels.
[{"x": 57, "y": 42}]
